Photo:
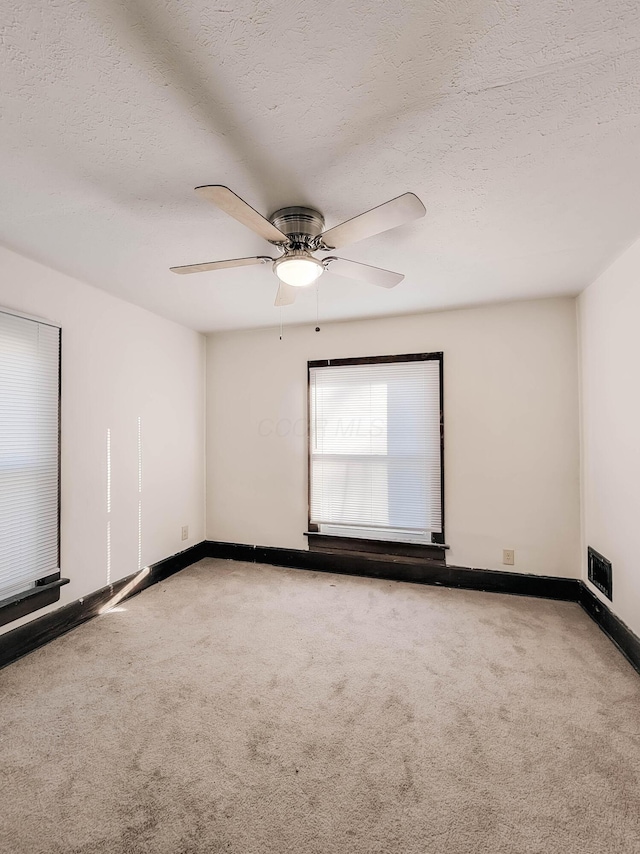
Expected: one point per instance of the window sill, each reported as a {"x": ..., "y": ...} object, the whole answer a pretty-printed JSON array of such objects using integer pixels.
[
  {"x": 44, "y": 593},
  {"x": 378, "y": 548}
]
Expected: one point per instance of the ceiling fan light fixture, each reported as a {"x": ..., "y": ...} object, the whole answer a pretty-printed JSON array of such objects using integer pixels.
[{"x": 298, "y": 269}]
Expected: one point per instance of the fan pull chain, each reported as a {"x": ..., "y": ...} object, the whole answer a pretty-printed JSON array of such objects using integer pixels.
[
  {"x": 317, "y": 307},
  {"x": 281, "y": 323}
]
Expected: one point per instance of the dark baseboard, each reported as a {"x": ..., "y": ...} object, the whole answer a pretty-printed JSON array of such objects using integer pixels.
[
  {"x": 37, "y": 632},
  {"x": 41, "y": 630},
  {"x": 399, "y": 568},
  {"x": 627, "y": 642}
]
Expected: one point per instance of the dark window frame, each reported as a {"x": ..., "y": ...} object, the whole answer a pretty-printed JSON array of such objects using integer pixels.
[
  {"x": 47, "y": 589},
  {"x": 315, "y": 538}
]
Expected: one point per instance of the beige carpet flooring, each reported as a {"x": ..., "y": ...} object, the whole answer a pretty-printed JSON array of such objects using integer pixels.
[{"x": 250, "y": 709}]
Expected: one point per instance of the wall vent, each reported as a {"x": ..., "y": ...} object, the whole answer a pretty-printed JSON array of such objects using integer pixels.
[{"x": 600, "y": 572}]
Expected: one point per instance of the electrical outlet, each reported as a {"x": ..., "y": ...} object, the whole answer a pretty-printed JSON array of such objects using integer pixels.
[
  {"x": 508, "y": 557},
  {"x": 185, "y": 532}
]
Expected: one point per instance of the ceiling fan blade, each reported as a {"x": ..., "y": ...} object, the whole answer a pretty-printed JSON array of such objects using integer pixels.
[
  {"x": 227, "y": 201},
  {"x": 286, "y": 295},
  {"x": 398, "y": 211},
  {"x": 363, "y": 272},
  {"x": 221, "y": 265}
]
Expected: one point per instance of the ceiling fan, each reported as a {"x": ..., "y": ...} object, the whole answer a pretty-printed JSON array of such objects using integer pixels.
[{"x": 298, "y": 232}]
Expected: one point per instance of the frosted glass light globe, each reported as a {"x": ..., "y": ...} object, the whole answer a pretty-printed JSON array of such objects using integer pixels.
[{"x": 298, "y": 270}]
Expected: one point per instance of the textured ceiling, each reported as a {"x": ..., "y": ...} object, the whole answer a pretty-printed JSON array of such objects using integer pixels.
[{"x": 517, "y": 124}]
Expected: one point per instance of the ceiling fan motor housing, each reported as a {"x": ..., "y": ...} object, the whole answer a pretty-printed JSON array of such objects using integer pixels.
[{"x": 301, "y": 225}]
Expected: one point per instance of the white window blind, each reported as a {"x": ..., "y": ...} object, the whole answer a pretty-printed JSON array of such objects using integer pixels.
[
  {"x": 375, "y": 467},
  {"x": 29, "y": 427}
]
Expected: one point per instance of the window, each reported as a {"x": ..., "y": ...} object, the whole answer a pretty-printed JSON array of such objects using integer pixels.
[
  {"x": 29, "y": 465},
  {"x": 376, "y": 448}
]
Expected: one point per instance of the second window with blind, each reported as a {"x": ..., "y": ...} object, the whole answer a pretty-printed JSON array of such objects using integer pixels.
[
  {"x": 377, "y": 447},
  {"x": 29, "y": 465}
]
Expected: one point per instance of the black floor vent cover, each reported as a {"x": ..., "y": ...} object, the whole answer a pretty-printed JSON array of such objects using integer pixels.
[{"x": 600, "y": 573}]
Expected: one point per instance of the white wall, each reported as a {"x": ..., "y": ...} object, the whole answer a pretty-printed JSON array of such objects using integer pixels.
[
  {"x": 119, "y": 363},
  {"x": 609, "y": 317},
  {"x": 511, "y": 429}
]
